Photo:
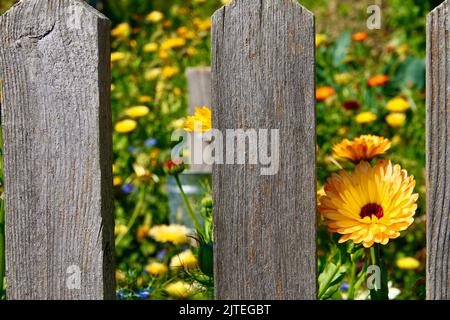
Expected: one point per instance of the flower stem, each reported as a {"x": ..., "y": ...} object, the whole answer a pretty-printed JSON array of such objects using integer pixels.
[
  {"x": 136, "y": 212},
  {"x": 351, "y": 289},
  {"x": 381, "y": 293},
  {"x": 188, "y": 205},
  {"x": 2, "y": 248}
]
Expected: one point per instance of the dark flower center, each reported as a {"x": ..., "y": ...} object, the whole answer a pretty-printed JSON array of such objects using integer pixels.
[{"x": 371, "y": 209}]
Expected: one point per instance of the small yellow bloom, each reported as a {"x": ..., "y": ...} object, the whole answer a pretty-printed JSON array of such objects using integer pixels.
[
  {"x": 169, "y": 72},
  {"x": 156, "y": 269},
  {"x": 125, "y": 126},
  {"x": 179, "y": 290},
  {"x": 145, "y": 99},
  {"x": 343, "y": 78},
  {"x": 138, "y": 111},
  {"x": 408, "y": 263},
  {"x": 178, "y": 124},
  {"x": 120, "y": 229},
  {"x": 150, "y": 47},
  {"x": 396, "y": 119},
  {"x": 204, "y": 25},
  {"x": 200, "y": 122},
  {"x": 191, "y": 51},
  {"x": 173, "y": 43},
  {"x": 185, "y": 259},
  {"x": 122, "y": 30},
  {"x": 365, "y": 147},
  {"x": 117, "y": 181},
  {"x": 163, "y": 54},
  {"x": 177, "y": 91},
  {"x": 152, "y": 74},
  {"x": 365, "y": 117},
  {"x": 321, "y": 39},
  {"x": 120, "y": 276},
  {"x": 174, "y": 233},
  {"x": 117, "y": 56},
  {"x": 155, "y": 16},
  {"x": 397, "y": 105}
]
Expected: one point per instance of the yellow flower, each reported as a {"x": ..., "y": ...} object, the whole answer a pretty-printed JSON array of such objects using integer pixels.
[
  {"x": 173, "y": 43},
  {"x": 365, "y": 117},
  {"x": 408, "y": 263},
  {"x": 343, "y": 78},
  {"x": 178, "y": 124},
  {"x": 122, "y": 30},
  {"x": 163, "y": 54},
  {"x": 183, "y": 260},
  {"x": 156, "y": 269},
  {"x": 177, "y": 91},
  {"x": 396, "y": 120},
  {"x": 191, "y": 51},
  {"x": 145, "y": 99},
  {"x": 226, "y": 1},
  {"x": 138, "y": 111},
  {"x": 179, "y": 290},
  {"x": 321, "y": 39},
  {"x": 125, "y": 126},
  {"x": 397, "y": 105},
  {"x": 200, "y": 122},
  {"x": 366, "y": 147},
  {"x": 150, "y": 47},
  {"x": 174, "y": 233},
  {"x": 120, "y": 276},
  {"x": 120, "y": 229},
  {"x": 370, "y": 205},
  {"x": 204, "y": 25},
  {"x": 117, "y": 56},
  {"x": 117, "y": 181},
  {"x": 169, "y": 72},
  {"x": 155, "y": 16},
  {"x": 152, "y": 74}
]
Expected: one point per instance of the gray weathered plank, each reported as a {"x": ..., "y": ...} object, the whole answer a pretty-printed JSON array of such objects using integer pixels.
[
  {"x": 199, "y": 91},
  {"x": 438, "y": 153},
  {"x": 56, "y": 117},
  {"x": 263, "y": 68}
]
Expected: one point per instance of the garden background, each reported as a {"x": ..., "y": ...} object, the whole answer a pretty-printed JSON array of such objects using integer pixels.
[{"x": 153, "y": 42}]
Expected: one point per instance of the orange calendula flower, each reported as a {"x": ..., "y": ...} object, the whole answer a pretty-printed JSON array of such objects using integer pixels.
[
  {"x": 378, "y": 80},
  {"x": 370, "y": 205},
  {"x": 322, "y": 93},
  {"x": 365, "y": 147},
  {"x": 359, "y": 36},
  {"x": 200, "y": 122}
]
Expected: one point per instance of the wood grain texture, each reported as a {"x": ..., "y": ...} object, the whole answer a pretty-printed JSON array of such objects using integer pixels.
[
  {"x": 56, "y": 117},
  {"x": 199, "y": 90},
  {"x": 438, "y": 153},
  {"x": 263, "y": 76}
]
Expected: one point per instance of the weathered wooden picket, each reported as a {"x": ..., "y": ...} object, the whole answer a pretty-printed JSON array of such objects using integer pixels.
[{"x": 56, "y": 118}]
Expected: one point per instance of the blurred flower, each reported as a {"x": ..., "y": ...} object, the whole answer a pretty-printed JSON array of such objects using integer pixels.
[
  {"x": 177, "y": 91},
  {"x": 161, "y": 254},
  {"x": 145, "y": 99},
  {"x": 185, "y": 259},
  {"x": 150, "y": 142},
  {"x": 127, "y": 188},
  {"x": 120, "y": 276},
  {"x": 133, "y": 43},
  {"x": 365, "y": 117},
  {"x": 351, "y": 105},
  {"x": 378, "y": 80},
  {"x": 203, "y": 25},
  {"x": 142, "y": 294},
  {"x": 117, "y": 56},
  {"x": 396, "y": 139},
  {"x": 163, "y": 54},
  {"x": 155, "y": 16},
  {"x": 120, "y": 229},
  {"x": 365, "y": 147},
  {"x": 150, "y": 47},
  {"x": 343, "y": 78},
  {"x": 178, "y": 124},
  {"x": 397, "y": 105},
  {"x": 174, "y": 233},
  {"x": 117, "y": 181},
  {"x": 321, "y": 39},
  {"x": 125, "y": 126},
  {"x": 191, "y": 51},
  {"x": 344, "y": 286},
  {"x": 408, "y": 263},
  {"x": 169, "y": 72},
  {"x": 174, "y": 167},
  {"x": 173, "y": 43},
  {"x": 396, "y": 119},
  {"x": 381, "y": 204},
  {"x": 324, "y": 92},
  {"x": 122, "y": 30},
  {"x": 179, "y": 289},
  {"x": 156, "y": 269},
  {"x": 140, "y": 171},
  {"x": 359, "y": 36},
  {"x": 152, "y": 74},
  {"x": 200, "y": 122},
  {"x": 137, "y": 112},
  {"x": 142, "y": 232},
  {"x": 122, "y": 295}
]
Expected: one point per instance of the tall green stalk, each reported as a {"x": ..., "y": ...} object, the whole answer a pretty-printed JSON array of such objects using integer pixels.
[
  {"x": 381, "y": 293},
  {"x": 188, "y": 205}
]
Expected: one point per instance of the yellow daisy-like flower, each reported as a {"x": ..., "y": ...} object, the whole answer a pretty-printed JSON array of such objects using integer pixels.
[
  {"x": 173, "y": 43},
  {"x": 408, "y": 263},
  {"x": 366, "y": 117},
  {"x": 125, "y": 126},
  {"x": 155, "y": 16},
  {"x": 365, "y": 147},
  {"x": 122, "y": 30},
  {"x": 396, "y": 119},
  {"x": 169, "y": 72},
  {"x": 370, "y": 205},
  {"x": 321, "y": 39},
  {"x": 117, "y": 181},
  {"x": 183, "y": 260},
  {"x": 145, "y": 99},
  {"x": 200, "y": 122},
  {"x": 150, "y": 47},
  {"x": 137, "y": 112},
  {"x": 397, "y": 105},
  {"x": 156, "y": 269},
  {"x": 174, "y": 233},
  {"x": 117, "y": 56},
  {"x": 179, "y": 289}
]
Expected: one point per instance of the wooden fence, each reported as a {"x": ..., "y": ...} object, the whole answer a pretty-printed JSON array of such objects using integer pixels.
[{"x": 56, "y": 118}]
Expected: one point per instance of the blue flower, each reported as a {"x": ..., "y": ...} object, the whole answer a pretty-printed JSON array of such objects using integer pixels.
[
  {"x": 161, "y": 254},
  {"x": 132, "y": 149},
  {"x": 344, "y": 286},
  {"x": 127, "y": 188},
  {"x": 121, "y": 294},
  {"x": 142, "y": 294},
  {"x": 150, "y": 142}
]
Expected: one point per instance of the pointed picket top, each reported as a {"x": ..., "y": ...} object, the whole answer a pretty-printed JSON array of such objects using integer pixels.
[{"x": 443, "y": 6}]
